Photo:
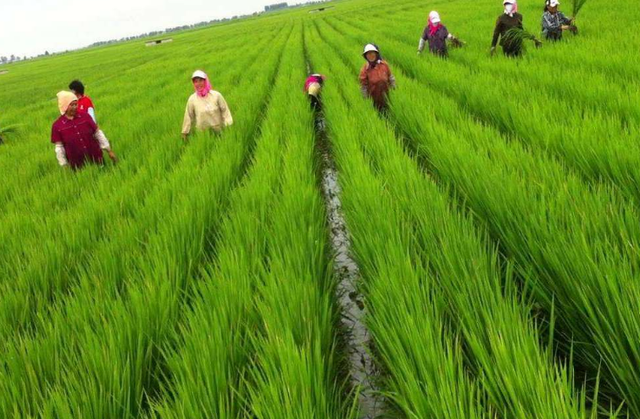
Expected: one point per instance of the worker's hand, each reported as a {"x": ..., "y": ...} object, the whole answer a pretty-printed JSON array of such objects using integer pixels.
[
  {"x": 112, "y": 156},
  {"x": 493, "y": 51},
  {"x": 185, "y": 137}
]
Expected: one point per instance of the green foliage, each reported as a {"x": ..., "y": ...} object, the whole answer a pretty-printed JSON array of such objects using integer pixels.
[{"x": 492, "y": 212}]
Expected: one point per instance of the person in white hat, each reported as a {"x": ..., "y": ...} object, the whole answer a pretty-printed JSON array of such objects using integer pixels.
[
  {"x": 554, "y": 22},
  {"x": 375, "y": 77},
  {"x": 436, "y": 34},
  {"x": 206, "y": 108}
]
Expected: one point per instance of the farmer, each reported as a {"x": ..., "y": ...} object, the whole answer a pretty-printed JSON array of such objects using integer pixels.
[
  {"x": 437, "y": 35},
  {"x": 509, "y": 20},
  {"x": 74, "y": 135},
  {"x": 85, "y": 105},
  {"x": 313, "y": 88},
  {"x": 375, "y": 77},
  {"x": 554, "y": 22},
  {"x": 206, "y": 108}
]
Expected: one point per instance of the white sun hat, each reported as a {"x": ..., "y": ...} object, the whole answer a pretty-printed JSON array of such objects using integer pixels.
[
  {"x": 370, "y": 48},
  {"x": 434, "y": 17},
  {"x": 200, "y": 74}
]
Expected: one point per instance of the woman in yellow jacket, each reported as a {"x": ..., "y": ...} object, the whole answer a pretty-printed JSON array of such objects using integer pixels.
[{"x": 206, "y": 108}]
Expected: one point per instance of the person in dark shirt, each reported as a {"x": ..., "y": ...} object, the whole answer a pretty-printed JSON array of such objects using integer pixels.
[
  {"x": 510, "y": 19},
  {"x": 436, "y": 34},
  {"x": 554, "y": 22}
]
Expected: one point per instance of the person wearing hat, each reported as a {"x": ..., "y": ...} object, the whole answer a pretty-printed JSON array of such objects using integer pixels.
[
  {"x": 554, "y": 22},
  {"x": 375, "y": 77},
  {"x": 508, "y": 20},
  {"x": 437, "y": 35},
  {"x": 74, "y": 135},
  {"x": 313, "y": 88},
  {"x": 206, "y": 108}
]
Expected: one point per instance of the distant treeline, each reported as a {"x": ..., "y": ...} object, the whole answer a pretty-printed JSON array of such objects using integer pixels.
[{"x": 6, "y": 60}]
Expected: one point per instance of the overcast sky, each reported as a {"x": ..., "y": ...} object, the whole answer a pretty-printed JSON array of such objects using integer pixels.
[{"x": 31, "y": 27}]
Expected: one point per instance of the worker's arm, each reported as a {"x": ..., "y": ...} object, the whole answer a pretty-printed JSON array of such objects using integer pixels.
[
  {"x": 565, "y": 20},
  {"x": 92, "y": 114},
  {"x": 224, "y": 111},
  {"x": 102, "y": 140},
  {"x": 496, "y": 34},
  {"x": 189, "y": 115},
  {"x": 392, "y": 79},
  {"x": 421, "y": 45},
  {"x": 61, "y": 155},
  {"x": 423, "y": 40},
  {"x": 364, "y": 82}
]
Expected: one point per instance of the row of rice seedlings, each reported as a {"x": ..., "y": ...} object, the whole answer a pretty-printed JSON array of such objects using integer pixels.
[
  {"x": 422, "y": 370},
  {"x": 211, "y": 351},
  {"x": 551, "y": 223},
  {"x": 573, "y": 131},
  {"x": 35, "y": 284},
  {"x": 296, "y": 369},
  {"x": 503, "y": 344},
  {"x": 98, "y": 354},
  {"x": 267, "y": 348}
]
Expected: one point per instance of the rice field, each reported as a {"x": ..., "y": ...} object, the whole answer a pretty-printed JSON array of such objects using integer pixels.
[{"x": 492, "y": 212}]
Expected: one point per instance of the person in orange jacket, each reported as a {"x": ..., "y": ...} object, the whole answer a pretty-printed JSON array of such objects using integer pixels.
[{"x": 375, "y": 77}]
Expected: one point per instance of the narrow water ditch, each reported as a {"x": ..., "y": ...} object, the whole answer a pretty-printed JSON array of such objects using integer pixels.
[{"x": 362, "y": 371}]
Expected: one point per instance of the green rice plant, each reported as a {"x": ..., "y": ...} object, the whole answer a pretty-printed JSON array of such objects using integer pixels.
[
  {"x": 473, "y": 288},
  {"x": 422, "y": 372},
  {"x": 570, "y": 129},
  {"x": 516, "y": 37},
  {"x": 76, "y": 337},
  {"x": 577, "y": 6},
  {"x": 280, "y": 363}
]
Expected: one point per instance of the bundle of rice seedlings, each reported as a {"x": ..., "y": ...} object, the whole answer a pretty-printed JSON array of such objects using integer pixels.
[
  {"x": 456, "y": 43},
  {"x": 577, "y": 6},
  {"x": 11, "y": 129},
  {"x": 517, "y": 36}
]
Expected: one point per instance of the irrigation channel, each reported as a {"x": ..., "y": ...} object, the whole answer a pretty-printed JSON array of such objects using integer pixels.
[{"x": 361, "y": 366}]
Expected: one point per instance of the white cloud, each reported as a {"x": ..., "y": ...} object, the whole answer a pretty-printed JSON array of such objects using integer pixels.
[{"x": 31, "y": 27}]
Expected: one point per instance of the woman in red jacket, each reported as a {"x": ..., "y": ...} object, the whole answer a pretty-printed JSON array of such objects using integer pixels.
[{"x": 375, "y": 77}]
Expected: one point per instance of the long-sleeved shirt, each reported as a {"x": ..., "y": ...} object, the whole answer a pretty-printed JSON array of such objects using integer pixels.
[
  {"x": 552, "y": 24},
  {"x": 85, "y": 105},
  {"x": 209, "y": 112},
  {"x": 437, "y": 41},
  {"x": 77, "y": 141},
  {"x": 503, "y": 24},
  {"x": 375, "y": 81}
]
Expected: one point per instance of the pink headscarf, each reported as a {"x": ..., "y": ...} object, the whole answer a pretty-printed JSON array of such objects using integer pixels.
[
  {"x": 515, "y": 5},
  {"x": 434, "y": 28},
  {"x": 314, "y": 78},
  {"x": 207, "y": 84}
]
